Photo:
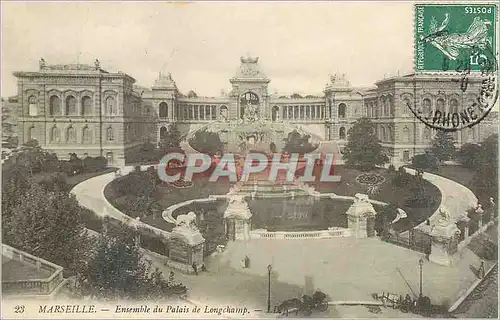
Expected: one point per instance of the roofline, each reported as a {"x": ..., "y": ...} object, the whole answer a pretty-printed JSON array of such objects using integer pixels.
[{"x": 79, "y": 73}]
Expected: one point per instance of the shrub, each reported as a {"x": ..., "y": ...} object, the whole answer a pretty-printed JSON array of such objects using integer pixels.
[
  {"x": 425, "y": 161},
  {"x": 391, "y": 168},
  {"x": 469, "y": 155}
]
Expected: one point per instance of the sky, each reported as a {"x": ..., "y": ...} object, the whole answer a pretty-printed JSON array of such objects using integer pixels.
[{"x": 298, "y": 44}]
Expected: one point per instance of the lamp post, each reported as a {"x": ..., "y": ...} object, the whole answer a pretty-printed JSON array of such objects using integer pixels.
[
  {"x": 269, "y": 269},
  {"x": 421, "y": 263}
]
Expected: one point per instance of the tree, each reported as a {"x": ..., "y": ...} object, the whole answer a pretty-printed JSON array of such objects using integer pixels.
[
  {"x": 469, "y": 155},
  {"x": 207, "y": 142},
  {"x": 48, "y": 225},
  {"x": 31, "y": 157},
  {"x": 425, "y": 161},
  {"x": 211, "y": 227},
  {"x": 484, "y": 184},
  {"x": 384, "y": 218},
  {"x": 172, "y": 139},
  {"x": 298, "y": 143},
  {"x": 117, "y": 270},
  {"x": 296, "y": 96},
  {"x": 363, "y": 149},
  {"x": 15, "y": 182},
  {"x": 442, "y": 146}
]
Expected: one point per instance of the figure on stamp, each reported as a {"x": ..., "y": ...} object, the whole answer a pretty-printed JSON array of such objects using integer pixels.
[{"x": 451, "y": 44}]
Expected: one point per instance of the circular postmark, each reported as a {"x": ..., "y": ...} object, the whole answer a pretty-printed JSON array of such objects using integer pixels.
[{"x": 478, "y": 90}]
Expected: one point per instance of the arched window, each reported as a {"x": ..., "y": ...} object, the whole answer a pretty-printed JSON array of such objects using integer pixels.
[
  {"x": 109, "y": 134},
  {"x": 275, "y": 115},
  {"x": 55, "y": 135},
  {"x": 54, "y": 106},
  {"x": 31, "y": 133},
  {"x": 391, "y": 106},
  {"x": 342, "y": 133},
  {"x": 406, "y": 134},
  {"x": 383, "y": 106},
  {"x": 32, "y": 108},
  {"x": 427, "y": 106},
  {"x": 453, "y": 106},
  {"x": 110, "y": 106},
  {"x": 70, "y": 134},
  {"x": 109, "y": 157},
  {"x": 440, "y": 105},
  {"x": 70, "y": 105},
  {"x": 384, "y": 134},
  {"x": 427, "y": 134},
  {"x": 342, "y": 110},
  {"x": 223, "y": 112},
  {"x": 86, "y": 106},
  {"x": 472, "y": 134},
  {"x": 406, "y": 106},
  {"x": 163, "y": 110},
  {"x": 163, "y": 133},
  {"x": 86, "y": 138},
  {"x": 390, "y": 134}
]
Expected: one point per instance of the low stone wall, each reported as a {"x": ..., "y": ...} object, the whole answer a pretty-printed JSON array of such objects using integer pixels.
[
  {"x": 44, "y": 286},
  {"x": 287, "y": 235}
]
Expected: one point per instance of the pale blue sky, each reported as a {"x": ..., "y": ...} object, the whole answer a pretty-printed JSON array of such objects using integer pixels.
[{"x": 299, "y": 44}]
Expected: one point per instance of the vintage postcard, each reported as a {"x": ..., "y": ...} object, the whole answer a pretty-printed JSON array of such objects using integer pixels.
[{"x": 246, "y": 160}]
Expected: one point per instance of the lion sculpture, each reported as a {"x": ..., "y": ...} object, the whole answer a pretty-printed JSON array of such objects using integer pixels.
[{"x": 187, "y": 221}]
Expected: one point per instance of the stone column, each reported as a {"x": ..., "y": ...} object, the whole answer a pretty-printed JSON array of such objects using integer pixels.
[
  {"x": 186, "y": 249},
  {"x": 358, "y": 214}
]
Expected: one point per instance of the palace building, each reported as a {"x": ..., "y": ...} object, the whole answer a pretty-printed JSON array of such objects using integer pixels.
[{"x": 89, "y": 111}]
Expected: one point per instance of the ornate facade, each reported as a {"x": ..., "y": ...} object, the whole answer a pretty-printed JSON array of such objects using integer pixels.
[{"x": 87, "y": 110}]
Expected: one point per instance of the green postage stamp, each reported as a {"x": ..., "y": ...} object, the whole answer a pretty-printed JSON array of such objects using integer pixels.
[{"x": 455, "y": 37}]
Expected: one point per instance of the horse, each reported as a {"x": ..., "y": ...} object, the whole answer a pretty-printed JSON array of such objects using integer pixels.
[{"x": 286, "y": 305}]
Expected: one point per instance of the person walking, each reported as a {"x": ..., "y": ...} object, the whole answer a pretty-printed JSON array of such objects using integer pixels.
[
  {"x": 195, "y": 268},
  {"x": 481, "y": 271}
]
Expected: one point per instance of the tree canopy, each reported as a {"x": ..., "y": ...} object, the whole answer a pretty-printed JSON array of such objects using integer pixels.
[
  {"x": 443, "y": 146},
  {"x": 485, "y": 181},
  {"x": 48, "y": 225},
  {"x": 172, "y": 139},
  {"x": 363, "y": 148},
  {"x": 296, "y": 142},
  {"x": 207, "y": 142},
  {"x": 118, "y": 270}
]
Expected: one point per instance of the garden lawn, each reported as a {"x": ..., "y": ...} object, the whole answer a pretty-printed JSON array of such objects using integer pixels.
[
  {"x": 457, "y": 173},
  {"x": 73, "y": 180},
  {"x": 348, "y": 186},
  {"x": 166, "y": 196}
]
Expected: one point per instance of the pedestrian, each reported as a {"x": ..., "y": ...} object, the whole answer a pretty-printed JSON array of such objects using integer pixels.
[
  {"x": 203, "y": 268},
  {"x": 195, "y": 268},
  {"x": 481, "y": 270},
  {"x": 247, "y": 262}
]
